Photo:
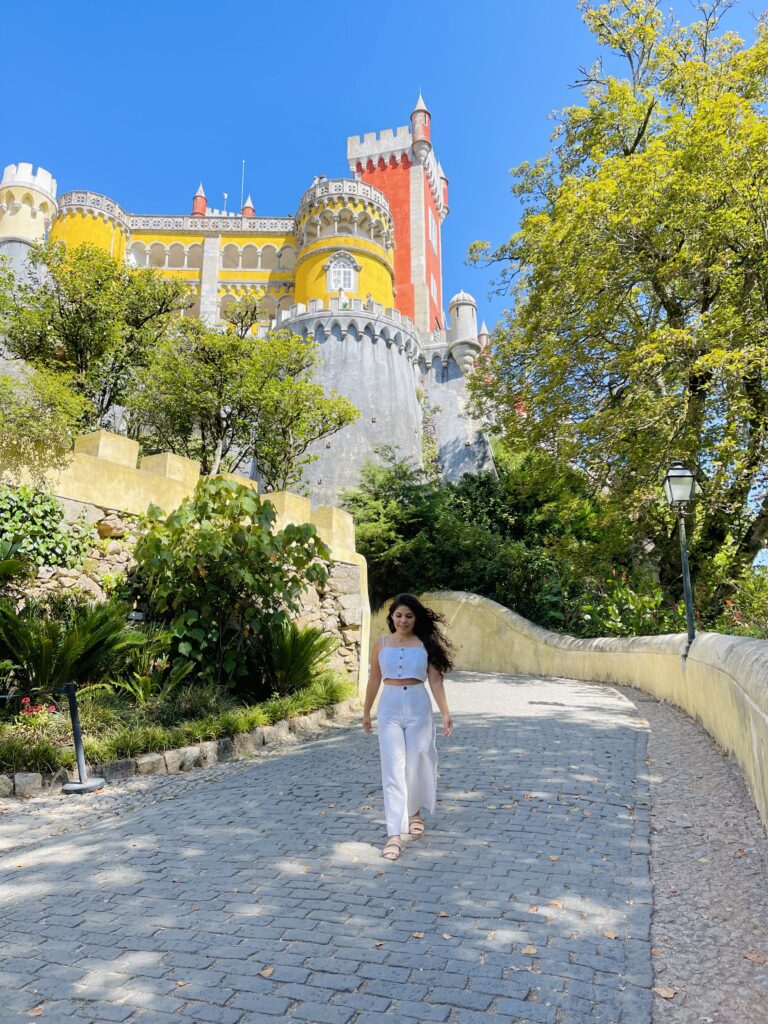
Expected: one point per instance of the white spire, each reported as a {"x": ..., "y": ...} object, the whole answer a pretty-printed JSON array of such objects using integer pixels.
[
  {"x": 248, "y": 202},
  {"x": 420, "y": 104},
  {"x": 200, "y": 191}
]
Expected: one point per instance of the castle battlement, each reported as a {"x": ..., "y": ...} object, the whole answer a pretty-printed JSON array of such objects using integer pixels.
[
  {"x": 379, "y": 145},
  {"x": 325, "y": 189},
  {"x": 23, "y": 175}
]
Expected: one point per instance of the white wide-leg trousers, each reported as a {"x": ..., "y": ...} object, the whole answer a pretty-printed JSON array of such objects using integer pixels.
[{"x": 408, "y": 754}]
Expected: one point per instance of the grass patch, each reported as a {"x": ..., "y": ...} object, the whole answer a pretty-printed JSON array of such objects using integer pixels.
[{"x": 114, "y": 727}]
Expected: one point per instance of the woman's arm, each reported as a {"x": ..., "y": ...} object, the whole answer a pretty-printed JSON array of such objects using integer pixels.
[
  {"x": 374, "y": 682},
  {"x": 437, "y": 686}
]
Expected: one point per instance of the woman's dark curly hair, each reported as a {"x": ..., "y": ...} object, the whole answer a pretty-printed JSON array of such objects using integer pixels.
[{"x": 427, "y": 629}]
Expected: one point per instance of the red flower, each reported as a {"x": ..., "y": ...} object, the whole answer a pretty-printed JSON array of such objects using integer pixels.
[
  {"x": 25, "y": 700},
  {"x": 51, "y": 707}
]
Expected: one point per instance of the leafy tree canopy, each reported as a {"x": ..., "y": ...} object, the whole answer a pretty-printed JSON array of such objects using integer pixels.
[
  {"x": 225, "y": 398},
  {"x": 531, "y": 538},
  {"x": 92, "y": 317},
  {"x": 41, "y": 413},
  {"x": 638, "y": 331}
]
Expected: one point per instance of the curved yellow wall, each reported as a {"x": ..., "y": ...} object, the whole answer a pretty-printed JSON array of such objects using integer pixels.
[
  {"x": 77, "y": 228},
  {"x": 375, "y": 277}
]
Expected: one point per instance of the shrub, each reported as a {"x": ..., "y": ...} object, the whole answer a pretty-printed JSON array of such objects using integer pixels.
[
  {"x": 49, "y": 653},
  {"x": 293, "y": 657},
  {"x": 219, "y": 577},
  {"x": 745, "y": 610},
  {"x": 34, "y": 521},
  {"x": 624, "y": 607},
  {"x": 14, "y": 568}
]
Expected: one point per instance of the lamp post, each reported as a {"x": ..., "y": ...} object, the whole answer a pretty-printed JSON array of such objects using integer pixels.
[{"x": 679, "y": 488}]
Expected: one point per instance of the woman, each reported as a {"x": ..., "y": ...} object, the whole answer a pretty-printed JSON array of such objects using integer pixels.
[{"x": 403, "y": 663}]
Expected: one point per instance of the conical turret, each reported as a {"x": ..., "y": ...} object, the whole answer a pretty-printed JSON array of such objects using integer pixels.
[
  {"x": 421, "y": 130},
  {"x": 199, "y": 203}
]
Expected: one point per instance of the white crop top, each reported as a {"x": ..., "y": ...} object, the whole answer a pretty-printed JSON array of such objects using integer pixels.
[{"x": 403, "y": 662}]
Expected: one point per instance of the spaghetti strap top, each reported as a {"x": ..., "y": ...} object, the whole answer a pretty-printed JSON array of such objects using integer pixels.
[{"x": 403, "y": 662}]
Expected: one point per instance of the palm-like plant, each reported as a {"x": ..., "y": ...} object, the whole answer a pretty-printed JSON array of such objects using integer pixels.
[
  {"x": 13, "y": 568},
  {"x": 49, "y": 653},
  {"x": 294, "y": 657}
]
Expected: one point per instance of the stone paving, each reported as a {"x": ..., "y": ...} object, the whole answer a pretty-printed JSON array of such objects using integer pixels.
[
  {"x": 253, "y": 891},
  {"x": 709, "y": 864}
]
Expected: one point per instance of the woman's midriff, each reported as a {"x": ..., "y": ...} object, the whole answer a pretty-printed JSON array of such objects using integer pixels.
[{"x": 403, "y": 682}]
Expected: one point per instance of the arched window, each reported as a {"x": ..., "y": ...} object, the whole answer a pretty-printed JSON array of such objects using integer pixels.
[{"x": 342, "y": 271}]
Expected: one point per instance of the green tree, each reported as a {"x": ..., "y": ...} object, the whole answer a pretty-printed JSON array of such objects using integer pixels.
[
  {"x": 638, "y": 331},
  {"x": 531, "y": 539},
  {"x": 41, "y": 413},
  {"x": 224, "y": 399},
  {"x": 243, "y": 315},
  {"x": 92, "y": 317},
  {"x": 221, "y": 578}
]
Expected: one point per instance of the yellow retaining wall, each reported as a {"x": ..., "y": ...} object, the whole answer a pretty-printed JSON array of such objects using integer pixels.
[{"x": 723, "y": 683}]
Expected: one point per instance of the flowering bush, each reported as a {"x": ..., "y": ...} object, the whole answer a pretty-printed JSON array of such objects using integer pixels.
[{"x": 38, "y": 720}]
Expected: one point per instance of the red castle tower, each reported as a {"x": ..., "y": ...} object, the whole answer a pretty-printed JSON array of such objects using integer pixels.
[{"x": 402, "y": 164}]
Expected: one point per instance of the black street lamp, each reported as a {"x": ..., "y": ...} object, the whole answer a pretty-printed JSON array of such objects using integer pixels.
[{"x": 679, "y": 488}]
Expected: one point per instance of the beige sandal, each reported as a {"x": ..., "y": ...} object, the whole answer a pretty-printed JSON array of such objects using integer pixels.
[
  {"x": 393, "y": 848},
  {"x": 416, "y": 825}
]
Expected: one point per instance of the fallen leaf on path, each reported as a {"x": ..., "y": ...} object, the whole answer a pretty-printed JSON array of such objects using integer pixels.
[
  {"x": 554, "y": 856},
  {"x": 378, "y": 945},
  {"x": 740, "y": 852},
  {"x": 267, "y": 972},
  {"x": 447, "y": 936},
  {"x": 754, "y": 957},
  {"x": 37, "y": 1012},
  {"x": 655, "y": 951},
  {"x": 558, "y": 904},
  {"x": 610, "y": 935},
  {"x": 664, "y": 991},
  {"x": 529, "y": 950},
  {"x": 442, "y": 914},
  {"x": 418, "y": 935},
  {"x": 534, "y": 908}
]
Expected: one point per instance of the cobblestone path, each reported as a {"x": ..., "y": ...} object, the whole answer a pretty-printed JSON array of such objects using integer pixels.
[{"x": 254, "y": 891}]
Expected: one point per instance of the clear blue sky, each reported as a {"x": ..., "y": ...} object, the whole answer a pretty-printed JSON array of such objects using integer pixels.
[{"x": 140, "y": 101}]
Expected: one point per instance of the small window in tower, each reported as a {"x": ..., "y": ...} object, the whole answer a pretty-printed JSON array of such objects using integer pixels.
[
  {"x": 341, "y": 277},
  {"x": 433, "y": 287},
  {"x": 342, "y": 273},
  {"x": 433, "y": 232}
]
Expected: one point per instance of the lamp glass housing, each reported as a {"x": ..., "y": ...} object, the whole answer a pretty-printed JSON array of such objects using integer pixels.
[{"x": 679, "y": 485}]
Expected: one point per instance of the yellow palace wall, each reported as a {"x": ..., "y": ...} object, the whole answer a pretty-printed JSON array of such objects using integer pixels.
[{"x": 76, "y": 228}]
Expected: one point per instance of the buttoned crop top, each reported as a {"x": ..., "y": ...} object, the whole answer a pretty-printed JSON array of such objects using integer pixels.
[{"x": 403, "y": 662}]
